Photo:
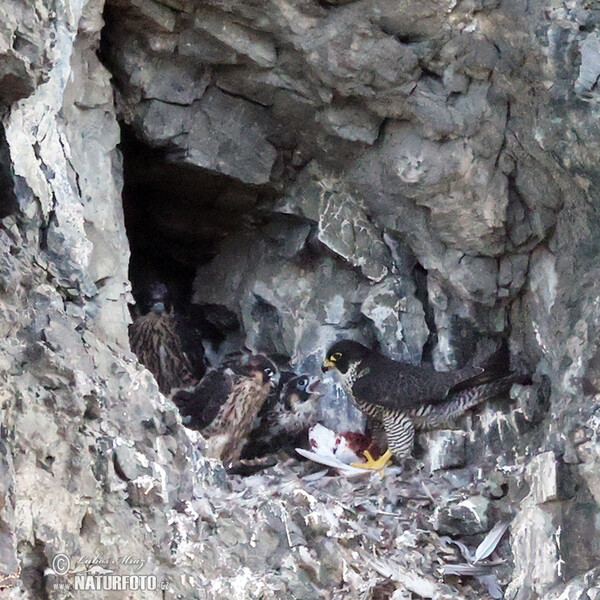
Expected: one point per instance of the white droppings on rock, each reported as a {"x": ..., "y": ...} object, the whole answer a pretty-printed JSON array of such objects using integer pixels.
[
  {"x": 542, "y": 472},
  {"x": 589, "y": 70},
  {"x": 335, "y": 309}
]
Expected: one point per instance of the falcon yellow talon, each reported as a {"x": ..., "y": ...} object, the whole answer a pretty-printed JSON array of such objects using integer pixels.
[{"x": 374, "y": 465}]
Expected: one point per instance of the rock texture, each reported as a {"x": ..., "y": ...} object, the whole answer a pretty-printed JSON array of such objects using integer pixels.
[{"x": 420, "y": 175}]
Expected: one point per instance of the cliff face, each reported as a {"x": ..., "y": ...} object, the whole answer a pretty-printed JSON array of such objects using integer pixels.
[{"x": 419, "y": 174}]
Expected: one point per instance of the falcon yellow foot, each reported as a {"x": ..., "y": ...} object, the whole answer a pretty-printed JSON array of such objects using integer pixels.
[{"x": 375, "y": 465}]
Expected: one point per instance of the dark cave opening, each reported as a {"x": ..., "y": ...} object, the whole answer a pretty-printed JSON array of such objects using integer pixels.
[
  {"x": 173, "y": 224},
  {"x": 177, "y": 218}
]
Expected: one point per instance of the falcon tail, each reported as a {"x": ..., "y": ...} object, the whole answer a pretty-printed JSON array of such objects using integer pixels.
[
  {"x": 433, "y": 416},
  {"x": 486, "y": 370}
]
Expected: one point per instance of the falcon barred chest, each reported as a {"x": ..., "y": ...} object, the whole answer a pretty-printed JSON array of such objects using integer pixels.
[{"x": 399, "y": 397}]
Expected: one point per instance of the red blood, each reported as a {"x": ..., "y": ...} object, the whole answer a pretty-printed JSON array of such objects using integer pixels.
[{"x": 359, "y": 442}]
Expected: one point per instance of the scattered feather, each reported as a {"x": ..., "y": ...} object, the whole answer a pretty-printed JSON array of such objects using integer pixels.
[
  {"x": 474, "y": 567},
  {"x": 464, "y": 550},
  {"x": 331, "y": 461},
  {"x": 315, "y": 476},
  {"x": 492, "y": 539},
  {"x": 463, "y": 569},
  {"x": 416, "y": 584},
  {"x": 492, "y": 585}
]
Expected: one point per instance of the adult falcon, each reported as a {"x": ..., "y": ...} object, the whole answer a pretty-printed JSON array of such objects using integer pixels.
[
  {"x": 224, "y": 405},
  {"x": 400, "y": 397}
]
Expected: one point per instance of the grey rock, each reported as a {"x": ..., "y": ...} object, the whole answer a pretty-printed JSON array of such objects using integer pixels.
[
  {"x": 535, "y": 548},
  {"x": 462, "y": 518},
  {"x": 303, "y": 198},
  {"x": 350, "y": 124},
  {"x": 398, "y": 318},
  {"x": 476, "y": 55},
  {"x": 248, "y": 43},
  {"x": 512, "y": 274},
  {"x": 588, "y": 454},
  {"x": 589, "y": 71},
  {"x": 154, "y": 16},
  {"x": 205, "y": 48},
  {"x": 362, "y": 61},
  {"x": 125, "y": 462},
  {"x": 345, "y": 229},
  {"x": 145, "y": 491},
  {"x": 432, "y": 174},
  {"x": 543, "y": 472},
  {"x": 178, "y": 80},
  {"x": 445, "y": 449},
  {"x": 26, "y": 51},
  {"x": 585, "y": 586},
  {"x": 9, "y": 563},
  {"x": 528, "y": 403},
  {"x": 203, "y": 134}
]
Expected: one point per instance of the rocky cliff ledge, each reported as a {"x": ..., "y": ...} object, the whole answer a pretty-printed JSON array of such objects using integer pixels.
[{"x": 420, "y": 174}]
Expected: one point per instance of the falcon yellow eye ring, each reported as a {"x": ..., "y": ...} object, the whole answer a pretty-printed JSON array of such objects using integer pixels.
[{"x": 335, "y": 357}]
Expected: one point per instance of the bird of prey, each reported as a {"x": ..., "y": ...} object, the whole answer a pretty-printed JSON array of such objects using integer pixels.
[
  {"x": 283, "y": 422},
  {"x": 399, "y": 397},
  {"x": 225, "y": 403},
  {"x": 166, "y": 344}
]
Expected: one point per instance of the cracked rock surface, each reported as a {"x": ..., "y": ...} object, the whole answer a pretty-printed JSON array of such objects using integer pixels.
[{"x": 418, "y": 175}]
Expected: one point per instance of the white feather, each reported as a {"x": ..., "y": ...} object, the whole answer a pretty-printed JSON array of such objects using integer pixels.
[
  {"x": 331, "y": 461},
  {"x": 492, "y": 539}
]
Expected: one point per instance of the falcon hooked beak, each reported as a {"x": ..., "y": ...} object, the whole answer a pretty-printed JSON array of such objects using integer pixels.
[
  {"x": 327, "y": 364},
  {"x": 336, "y": 360}
]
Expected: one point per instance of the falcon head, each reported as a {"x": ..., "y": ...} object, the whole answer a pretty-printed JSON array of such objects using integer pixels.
[
  {"x": 343, "y": 354},
  {"x": 299, "y": 389},
  {"x": 257, "y": 363},
  {"x": 154, "y": 298}
]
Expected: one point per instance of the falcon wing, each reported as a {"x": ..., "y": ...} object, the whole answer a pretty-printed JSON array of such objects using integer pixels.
[
  {"x": 202, "y": 404},
  {"x": 191, "y": 345},
  {"x": 385, "y": 382}
]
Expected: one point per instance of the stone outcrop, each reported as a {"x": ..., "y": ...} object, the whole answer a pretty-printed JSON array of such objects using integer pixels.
[{"x": 420, "y": 175}]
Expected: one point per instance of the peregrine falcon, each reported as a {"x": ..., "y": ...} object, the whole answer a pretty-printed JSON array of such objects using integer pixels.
[
  {"x": 166, "y": 344},
  {"x": 225, "y": 403},
  {"x": 284, "y": 421},
  {"x": 400, "y": 397}
]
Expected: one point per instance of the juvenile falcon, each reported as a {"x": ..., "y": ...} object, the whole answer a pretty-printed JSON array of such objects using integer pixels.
[
  {"x": 166, "y": 343},
  {"x": 225, "y": 403},
  {"x": 283, "y": 422},
  {"x": 400, "y": 397}
]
